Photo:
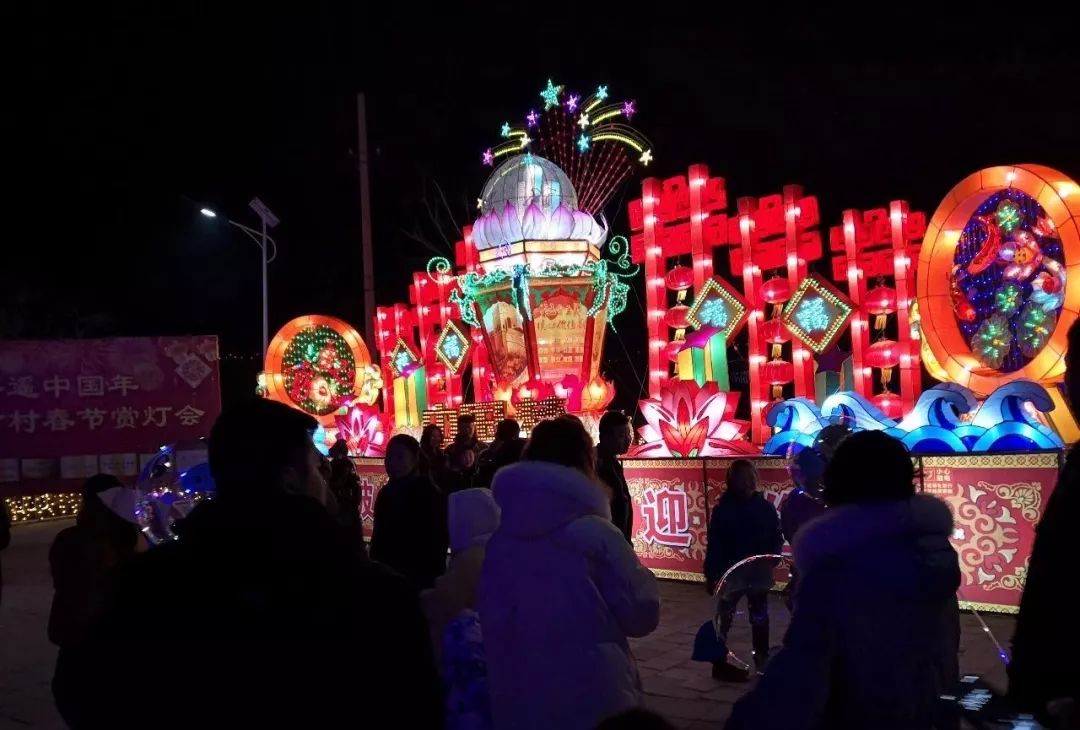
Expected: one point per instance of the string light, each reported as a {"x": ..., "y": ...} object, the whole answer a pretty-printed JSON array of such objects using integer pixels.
[{"x": 48, "y": 506}]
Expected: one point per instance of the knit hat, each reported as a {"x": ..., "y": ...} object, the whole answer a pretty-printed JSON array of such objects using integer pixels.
[{"x": 473, "y": 516}]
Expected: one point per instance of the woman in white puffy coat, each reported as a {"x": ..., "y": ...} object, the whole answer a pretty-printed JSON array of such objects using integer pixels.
[{"x": 561, "y": 590}]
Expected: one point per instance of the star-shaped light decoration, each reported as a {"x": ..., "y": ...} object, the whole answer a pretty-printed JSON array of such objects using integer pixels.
[
  {"x": 628, "y": 109},
  {"x": 601, "y": 92},
  {"x": 452, "y": 347},
  {"x": 489, "y": 157},
  {"x": 646, "y": 157},
  {"x": 532, "y": 118},
  {"x": 526, "y": 140},
  {"x": 719, "y": 305},
  {"x": 583, "y": 142},
  {"x": 479, "y": 203},
  {"x": 583, "y": 120},
  {"x": 528, "y": 159},
  {"x": 550, "y": 95},
  {"x": 817, "y": 313},
  {"x": 572, "y": 102},
  {"x": 505, "y": 131}
]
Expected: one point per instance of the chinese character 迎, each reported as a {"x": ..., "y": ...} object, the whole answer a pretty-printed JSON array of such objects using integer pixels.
[
  {"x": 24, "y": 422},
  {"x": 124, "y": 417},
  {"x": 22, "y": 386},
  {"x": 666, "y": 514},
  {"x": 56, "y": 419},
  {"x": 189, "y": 415},
  {"x": 94, "y": 417},
  {"x": 123, "y": 383},
  {"x": 155, "y": 416},
  {"x": 90, "y": 385},
  {"x": 56, "y": 384}
]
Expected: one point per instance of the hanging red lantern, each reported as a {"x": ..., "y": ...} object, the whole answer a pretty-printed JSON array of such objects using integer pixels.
[
  {"x": 775, "y": 291},
  {"x": 678, "y": 317},
  {"x": 776, "y": 334},
  {"x": 778, "y": 373},
  {"x": 889, "y": 404},
  {"x": 883, "y": 354},
  {"x": 881, "y": 301},
  {"x": 673, "y": 349},
  {"x": 680, "y": 278}
]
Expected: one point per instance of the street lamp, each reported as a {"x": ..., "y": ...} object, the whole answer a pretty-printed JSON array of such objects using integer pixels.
[{"x": 262, "y": 240}]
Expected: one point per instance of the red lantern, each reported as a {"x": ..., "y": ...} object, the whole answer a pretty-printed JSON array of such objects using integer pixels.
[
  {"x": 775, "y": 333},
  {"x": 883, "y": 354},
  {"x": 678, "y": 317},
  {"x": 673, "y": 349},
  {"x": 778, "y": 373},
  {"x": 775, "y": 291},
  {"x": 881, "y": 301},
  {"x": 596, "y": 395},
  {"x": 680, "y": 278},
  {"x": 889, "y": 404}
]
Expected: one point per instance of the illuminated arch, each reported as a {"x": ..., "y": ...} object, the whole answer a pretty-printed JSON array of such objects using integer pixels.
[{"x": 1059, "y": 197}]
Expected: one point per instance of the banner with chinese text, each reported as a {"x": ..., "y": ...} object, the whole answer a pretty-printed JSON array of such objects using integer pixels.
[
  {"x": 996, "y": 500},
  {"x": 372, "y": 474},
  {"x": 72, "y": 408},
  {"x": 670, "y": 518}
]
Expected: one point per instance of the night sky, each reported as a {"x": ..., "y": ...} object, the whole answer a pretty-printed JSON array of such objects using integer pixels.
[{"x": 125, "y": 124}]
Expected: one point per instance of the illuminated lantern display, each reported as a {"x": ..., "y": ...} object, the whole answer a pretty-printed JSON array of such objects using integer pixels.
[
  {"x": 688, "y": 420},
  {"x": 677, "y": 317},
  {"x": 881, "y": 302},
  {"x": 817, "y": 313},
  {"x": 679, "y": 279},
  {"x": 996, "y": 296},
  {"x": 597, "y": 395},
  {"x": 889, "y": 404},
  {"x": 776, "y": 291},
  {"x": 778, "y": 373},
  {"x": 884, "y": 355},
  {"x": 317, "y": 364},
  {"x": 775, "y": 332}
]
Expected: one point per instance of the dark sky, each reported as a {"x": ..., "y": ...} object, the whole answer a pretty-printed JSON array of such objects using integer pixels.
[{"x": 125, "y": 123}]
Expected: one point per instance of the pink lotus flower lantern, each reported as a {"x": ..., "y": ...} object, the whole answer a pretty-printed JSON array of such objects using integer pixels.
[
  {"x": 690, "y": 420},
  {"x": 364, "y": 430}
]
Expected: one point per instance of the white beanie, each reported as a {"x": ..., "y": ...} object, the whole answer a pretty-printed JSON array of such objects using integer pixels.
[
  {"x": 473, "y": 517},
  {"x": 121, "y": 501}
]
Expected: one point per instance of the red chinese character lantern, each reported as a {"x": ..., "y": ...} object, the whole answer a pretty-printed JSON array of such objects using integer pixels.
[
  {"x": 776, "y": 334},
  {"x": 883, "y": 354},
  {"x": 881, "y": 301},
  {"x": 889, "y": 404},
  {"x": 776, "y": 291},
  {"x": 678, "y": 317},
  {"x": 680, "y": 278},
  {"x": 778, "y": 373}
]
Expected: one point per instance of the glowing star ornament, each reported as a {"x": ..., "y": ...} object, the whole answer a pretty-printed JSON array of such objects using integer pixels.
[
  {"x": 628, "y": 109},
  {"x": 601, "y": 92},
  {"x": 1008, "y": 215},
  {"x": 488, "y": 157},
  {"x": 646, "y": 157},
  {"x": 572, "y": 102},
  {"x": 992, "y": 342},
  {"x": 532, "y": 118},
  {"x": 452, "y": 347},
  {"x": 583, "y": 142},
  {"x": 550, "y": 95},
  {"x": 583, "y": 120},
  {"x": 505, "y": 130}
]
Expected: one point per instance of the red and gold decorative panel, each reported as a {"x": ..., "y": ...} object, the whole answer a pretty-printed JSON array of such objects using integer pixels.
[{"x": 670, "y": 518}]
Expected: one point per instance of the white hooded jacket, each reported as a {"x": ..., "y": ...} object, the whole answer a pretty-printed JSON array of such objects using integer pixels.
[{"x": 560, "y": 591}]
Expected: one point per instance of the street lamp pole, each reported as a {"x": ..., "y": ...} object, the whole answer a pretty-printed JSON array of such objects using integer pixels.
[{"x": 266, "y": 308}]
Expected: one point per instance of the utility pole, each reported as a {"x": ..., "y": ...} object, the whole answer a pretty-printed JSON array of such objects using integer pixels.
[{"x": 365, "y": 223}]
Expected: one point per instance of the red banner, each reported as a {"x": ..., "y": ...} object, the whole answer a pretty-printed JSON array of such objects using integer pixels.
[
  {"x": 997, "y": 500},
  {"x": 670, "y": 519},
  {"x": 372, "y": 474},
  {"x": 72, "y": 408}
]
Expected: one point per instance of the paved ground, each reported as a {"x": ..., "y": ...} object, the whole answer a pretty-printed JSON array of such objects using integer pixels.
[{"x": 678, "y": 688}]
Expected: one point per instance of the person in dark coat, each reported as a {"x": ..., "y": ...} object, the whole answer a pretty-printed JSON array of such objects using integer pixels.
[
  {"x": 261, "y": 614},
  {"x": 505, "y": 449},
  {"x": 464, "y": 453},
  {"x": 409, "y": 533},
  {"x": 345, "y": 486},
  {"x": 1047, "y": 641},
  {"x": 82, "y": 560},
  {"x": 743, "y": 524},
  {"x": 874, "y": 637},
  {"x": 616, "y": 435},
  {"x": 803, "y": 504}
]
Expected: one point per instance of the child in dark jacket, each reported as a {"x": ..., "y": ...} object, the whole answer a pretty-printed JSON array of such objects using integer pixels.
[{"x": 743, "y": 524}]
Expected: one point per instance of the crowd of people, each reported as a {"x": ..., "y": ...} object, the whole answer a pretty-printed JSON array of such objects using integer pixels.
[{"x": 501, "y": 589}]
